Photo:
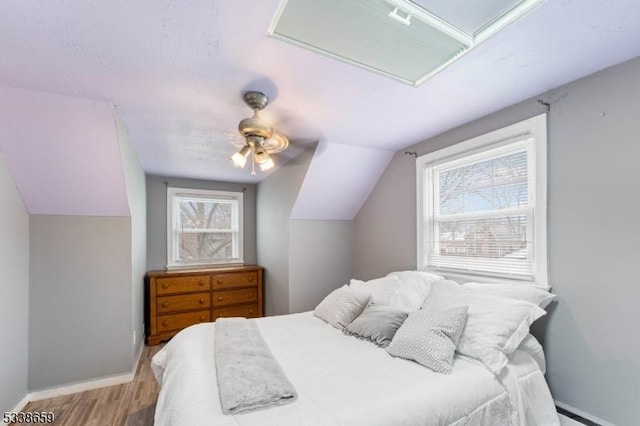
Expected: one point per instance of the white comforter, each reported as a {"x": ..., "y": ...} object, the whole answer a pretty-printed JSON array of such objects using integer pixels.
[{"x": 345, "y": 381}]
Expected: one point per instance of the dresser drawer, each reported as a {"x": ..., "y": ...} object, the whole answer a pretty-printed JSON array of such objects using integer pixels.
[
  {"x": 234, "y": 297},
  {"x": 247, "y": 311},
  {"x": 180, "y": 321},
  {"x": 234, "y": 280},
  {"x": 183, "y": 302},
  {"x": 171, "y": 285}
]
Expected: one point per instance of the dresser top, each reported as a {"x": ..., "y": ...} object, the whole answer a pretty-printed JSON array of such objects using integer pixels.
[{"x": 204, "y": 270}]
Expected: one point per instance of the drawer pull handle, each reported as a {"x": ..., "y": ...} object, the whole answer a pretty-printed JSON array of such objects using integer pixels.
[
  {"x": 165, "y": 304},
  {"x": 201, "y": 301},
  {"x": 201, "y": 318},
  {"x": 219, "y": 298},
  {"x": 251, "y": 311},
  {"x": 165, "y": 323},
  {"x": 220, "y": 282},
  {"x": 250, "y": 278},
  {"x": 250, "y": 295},
  {"x": 165, "y": 286},
  {"x": 200, "y": 283}
]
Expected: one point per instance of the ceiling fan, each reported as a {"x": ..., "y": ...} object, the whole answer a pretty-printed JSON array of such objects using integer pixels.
[{"x": 261, "y": 141}]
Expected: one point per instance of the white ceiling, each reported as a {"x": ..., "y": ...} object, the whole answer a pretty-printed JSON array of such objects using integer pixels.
[{"x": 175, "y": 71}]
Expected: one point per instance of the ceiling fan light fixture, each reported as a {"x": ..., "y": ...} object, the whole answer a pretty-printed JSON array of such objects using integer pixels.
[
  {"x": 240, "y": 157},
  {"x": 261, "y": 140},
  {"x": 260, "y": 154},
  {"x": 268, "y": 164}
]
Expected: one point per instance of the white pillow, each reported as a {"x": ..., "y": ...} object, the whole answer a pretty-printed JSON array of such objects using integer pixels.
[
  {"x": 531, "y": 346},
  {"x": 381, "y": 290},
  {"x": 415, "y": 288},
  {"x": 341, "y": 307},
  {"x": 430, "y": 337},
  {"x": 495, "y": 325},
  {"x": 415, "y": 277},
  {"x": 524, "y": 292}
]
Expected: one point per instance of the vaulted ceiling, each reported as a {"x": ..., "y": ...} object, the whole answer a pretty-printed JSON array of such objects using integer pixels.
[{"x": 176, "y": 70}]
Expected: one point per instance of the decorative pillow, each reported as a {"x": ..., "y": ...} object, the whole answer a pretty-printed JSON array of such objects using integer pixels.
[
  {"x": 381, "y": 290},
  {"x": 495, "y": 325},
  {"x": 341, "y": 307},
  {"x": 530, "y": 294},
  {"x": 377, "y": 324},
  {"x": 414, "y": 289},
  {"x": 430, "y": 337}
]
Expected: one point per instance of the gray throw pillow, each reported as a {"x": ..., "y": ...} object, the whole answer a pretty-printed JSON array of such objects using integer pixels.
[
  {"x": 377, "y": 324},
  {"x": 430, "y": 337},
  {"x": 341, "y": 307}
]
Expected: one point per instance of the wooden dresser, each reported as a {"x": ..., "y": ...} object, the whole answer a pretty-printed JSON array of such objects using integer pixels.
[{"x": 180, "y": 298}]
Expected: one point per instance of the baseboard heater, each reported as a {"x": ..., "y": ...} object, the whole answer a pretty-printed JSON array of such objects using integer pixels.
[{"x": 576, "y": 417}]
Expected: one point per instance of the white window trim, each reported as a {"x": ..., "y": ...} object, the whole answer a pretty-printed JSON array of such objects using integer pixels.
[
  {"x": 171, "y": 257},
  {"x": 537, "y": 127}
]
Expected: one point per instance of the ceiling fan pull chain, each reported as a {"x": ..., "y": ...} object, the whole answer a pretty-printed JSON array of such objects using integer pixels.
[{"x": 253, "y": 165}]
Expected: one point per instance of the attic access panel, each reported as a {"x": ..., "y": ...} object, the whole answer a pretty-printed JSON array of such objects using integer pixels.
[{"x": 406, "y": 40}]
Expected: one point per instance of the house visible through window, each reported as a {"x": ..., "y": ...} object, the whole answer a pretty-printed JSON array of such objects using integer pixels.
[
  {"x": 204, "y": 227},
  {"x": 482, "y": 205}
]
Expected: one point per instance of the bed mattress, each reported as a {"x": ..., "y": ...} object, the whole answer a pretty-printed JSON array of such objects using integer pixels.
[{"x": 342, "y": 380}]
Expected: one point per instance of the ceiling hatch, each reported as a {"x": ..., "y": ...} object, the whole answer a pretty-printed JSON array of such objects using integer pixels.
[{"x": 406, "y": 40}]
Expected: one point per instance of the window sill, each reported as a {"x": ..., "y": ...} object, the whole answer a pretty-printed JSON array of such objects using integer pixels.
[
  {"x": 203, "y": 265},
  {"x": 465, "y": 278}
]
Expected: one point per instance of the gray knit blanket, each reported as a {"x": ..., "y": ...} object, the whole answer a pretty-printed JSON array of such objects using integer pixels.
[{"x": 249, "y": 377}]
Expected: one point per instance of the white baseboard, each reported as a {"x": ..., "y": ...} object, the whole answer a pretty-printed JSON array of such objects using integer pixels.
[
  {"x": 80, "y": 387},
  {"x": 86, "y": 385},
  {"x": 19, "y": 407},
  {"x": 582, "y": 414},
  {"x": 136, "y": 360}
]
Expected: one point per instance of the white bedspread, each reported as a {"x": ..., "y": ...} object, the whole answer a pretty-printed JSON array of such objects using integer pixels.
[{"x": 345, "y": 381}]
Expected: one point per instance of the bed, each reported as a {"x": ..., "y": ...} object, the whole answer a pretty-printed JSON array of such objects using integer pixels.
[{"x": 343, "y": 380}]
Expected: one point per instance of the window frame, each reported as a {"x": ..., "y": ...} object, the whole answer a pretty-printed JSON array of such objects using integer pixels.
[
  {"x": 173, "y": 197},
  {"x": 536, "y": 127}
]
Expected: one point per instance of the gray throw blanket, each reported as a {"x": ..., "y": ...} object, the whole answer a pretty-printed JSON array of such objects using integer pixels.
[{"x": 249, "y": 377}]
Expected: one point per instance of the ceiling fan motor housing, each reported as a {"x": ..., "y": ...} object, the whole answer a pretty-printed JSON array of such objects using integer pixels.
[{"x": 259, "y": 135}]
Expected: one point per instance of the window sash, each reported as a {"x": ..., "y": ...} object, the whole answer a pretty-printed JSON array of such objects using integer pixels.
[
  {"x": 178, "y": 235},
  {"x": 449, "y": 253},
  {"x": 509, "y": 266}
]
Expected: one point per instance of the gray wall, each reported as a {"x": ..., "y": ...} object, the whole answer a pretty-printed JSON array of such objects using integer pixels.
[
  {"x": 384, "y": 230},
  {"x": 590, "y": 335},
  {"x": 157, "y": 215},
  {"x": 136, "y": 196},
  {"x": 319, "y": 260},
  {"x": 14, "y": 292},
  {"x": 276, "y": 196},
  {"x": 79, "y": 298}
]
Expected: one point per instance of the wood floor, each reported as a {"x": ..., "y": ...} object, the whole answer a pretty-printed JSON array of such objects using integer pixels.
[{"x": 127, "y": 404}]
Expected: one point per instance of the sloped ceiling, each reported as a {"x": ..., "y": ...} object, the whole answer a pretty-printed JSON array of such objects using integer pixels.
[
  {"x": 338, "y": 181},
  {"x": 176, "y": 70},
  {"x": 63, "y": 152}
]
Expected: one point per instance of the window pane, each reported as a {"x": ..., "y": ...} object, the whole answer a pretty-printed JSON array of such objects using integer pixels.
[
  {"x": 484, "y": 238},
  {"x": 494, "y": 184},
  {"x": 205, "y": 214},
  {"x": 205, "y": 246}
]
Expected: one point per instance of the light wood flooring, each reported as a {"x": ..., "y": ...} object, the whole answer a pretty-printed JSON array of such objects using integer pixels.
[{"x": 127, "y": 404}]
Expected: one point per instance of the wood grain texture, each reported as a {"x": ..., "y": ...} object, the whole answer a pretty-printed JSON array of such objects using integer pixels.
[
  {"x": 127, "y": 404},
  {"x": 176, "y": 299}
]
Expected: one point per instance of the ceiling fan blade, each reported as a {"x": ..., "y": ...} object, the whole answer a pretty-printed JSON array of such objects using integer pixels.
[{"x": 276, "y": 143}]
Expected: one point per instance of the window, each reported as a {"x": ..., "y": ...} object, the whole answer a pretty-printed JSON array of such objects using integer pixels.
[
  {"x": 204, "y": 227},
  {"x": 482, "y": 205}
]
